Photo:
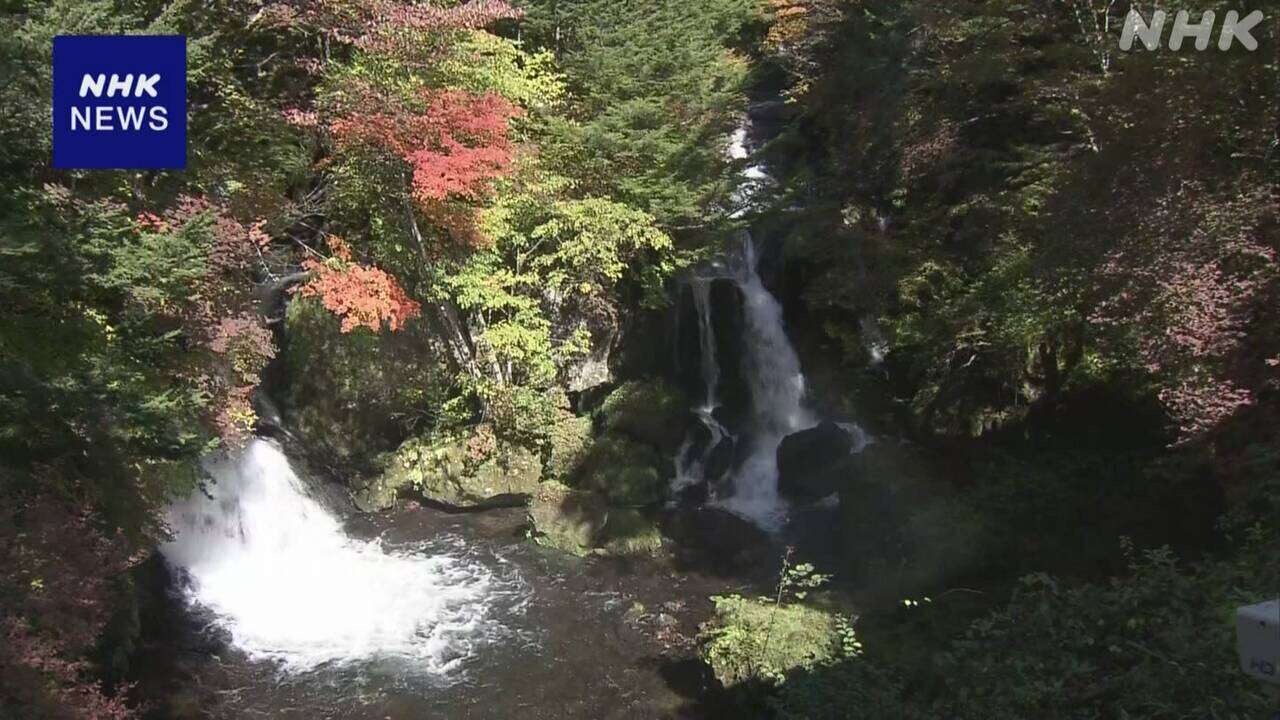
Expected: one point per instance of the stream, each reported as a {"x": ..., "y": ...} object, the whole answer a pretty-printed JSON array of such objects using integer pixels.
[{"x": 274, "y": 607}]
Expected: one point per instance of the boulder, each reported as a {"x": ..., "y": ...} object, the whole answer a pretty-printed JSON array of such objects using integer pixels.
[
  {"x": 566, "y": 519},
  {"x": 725, "y": 308},
  {"x": 812, "y": 463},
  {"x": 581, "y": 523},
  {"x": 716, "y": 459},
  {"x": 717, "y": 540},
  {"x": 629, "y": 532},
  {"x": 341, "y": 393},
  {"x": 624, "y": 472},
  {"x": 458, "y": 472},
  {"x": 652, "y": 412}
]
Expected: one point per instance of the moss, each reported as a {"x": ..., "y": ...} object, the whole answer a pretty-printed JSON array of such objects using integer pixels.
[
  {"x": 624, "y": 471},
  {"x": 348, "y": 394},
  {"x": 752, "y": 639},
  {"x": 630, "y": 532},
  {"x": 570, "y": 440},
  {"x": 566, "y": 519},
  {"x": 581, "y": 523},
  {"x": 462, "y": 471},
  {"x": 652, "y": 412}
]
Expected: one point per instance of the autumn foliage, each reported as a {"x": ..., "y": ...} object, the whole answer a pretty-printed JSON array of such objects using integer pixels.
[
  {"x": 57, "y": 570},
  {"x": 218, "y": 312},
  {"x": 380, "y": 25},
  {"x": 455, "y": 146},
  {"x": 362, "y": 296}
]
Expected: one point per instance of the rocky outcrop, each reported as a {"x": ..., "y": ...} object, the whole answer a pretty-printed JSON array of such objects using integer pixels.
[
  {"x": 458, "y": 473},
  {"x": 716, "y": 539},
  {"x": 814, "y": 463},
  {"x": 581, "y": 522},
  {"x": 340, "y": 393},
  {"x": 625, "y": 472},
  {"x": 604, "y": 484},
  {"x": 724, "y": 299},
  {"x": 651, "y": 412}
]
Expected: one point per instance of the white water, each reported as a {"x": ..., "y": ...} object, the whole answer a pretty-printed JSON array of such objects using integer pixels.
[
  {"x": 770, "y": 367},
  {"x": 289, "y": 585},
  {"x": 691, "y": 469},
  {"x": 772, "y": 371},
  {"x": 753, "y": 176}
]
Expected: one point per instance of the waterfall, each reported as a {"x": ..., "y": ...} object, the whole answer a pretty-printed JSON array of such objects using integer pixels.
[
  {"x": 770, "y": 369},
  {"x": 774, "y": 381},
  {"x": 288, "y": 584},
  {"x": 772, "y": 372},
  {"x": 691, "y": 468}
]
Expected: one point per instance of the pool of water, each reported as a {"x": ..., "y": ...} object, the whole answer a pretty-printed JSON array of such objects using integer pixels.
[{"x": 563, "y": 637}]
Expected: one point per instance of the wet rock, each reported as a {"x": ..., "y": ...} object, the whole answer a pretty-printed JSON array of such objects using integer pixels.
[
  {"x": 634, "y": 614},
  {"x": 581, "y": 523},
  {"x": 716, "y": 539},
  {"x": 813, "y": 463},
  {"x": 716, "y": 460},
  {"x": 724, "y": 305},
  {"x": 627, "y": 533}
]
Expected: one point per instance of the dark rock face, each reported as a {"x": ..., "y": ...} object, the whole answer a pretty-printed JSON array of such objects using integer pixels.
[
  {"x": 812, "y": 463},
  {"x": 727, "y": 325},
  {"x": 716, "y": 540}
]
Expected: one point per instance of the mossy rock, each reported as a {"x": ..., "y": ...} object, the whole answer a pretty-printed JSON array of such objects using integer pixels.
[
  {"x": 447, "y": 471},
  {"x": 652, "y": 412},
  {"x": 581, "y": 523},
  {"x": 570, "y": 441},
  {"x": 629, "y": 532},
  {"x": 343, "y": 392},
  {"x": 751, "y": 639},
  {"x": 566, "y": 519},
  {"x": 624, "y": 472}
]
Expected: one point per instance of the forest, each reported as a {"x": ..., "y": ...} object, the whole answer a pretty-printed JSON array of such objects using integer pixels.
[{"x": 780, "y": 359}]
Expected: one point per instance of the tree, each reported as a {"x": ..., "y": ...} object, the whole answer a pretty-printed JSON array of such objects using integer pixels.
[{"x": 362, "y": 296}]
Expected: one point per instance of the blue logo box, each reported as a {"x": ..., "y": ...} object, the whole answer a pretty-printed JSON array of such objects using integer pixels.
[{"x": 120, "y": 101}]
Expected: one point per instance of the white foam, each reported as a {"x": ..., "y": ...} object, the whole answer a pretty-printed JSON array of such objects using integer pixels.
[{"x": 289, "y": 585}]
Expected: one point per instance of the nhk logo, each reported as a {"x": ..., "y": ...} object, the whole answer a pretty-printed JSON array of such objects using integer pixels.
[
  {"x": 119, "y": 101},
  {"x": 1236, "y": 28}
]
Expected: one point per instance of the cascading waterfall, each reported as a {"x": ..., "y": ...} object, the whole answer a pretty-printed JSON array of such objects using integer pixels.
[
  {"x": 770, "y": 368},
  {"x": 691, "y": 467},
  {"x": 289, "y": 585},
  {"x": 776, "y": 385},
  {"x": 772, "y": 372}
]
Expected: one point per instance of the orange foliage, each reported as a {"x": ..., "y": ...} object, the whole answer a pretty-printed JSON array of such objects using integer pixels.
[
  {"x": 456, "y": 147},
  {"x": 362, "y": 296}
]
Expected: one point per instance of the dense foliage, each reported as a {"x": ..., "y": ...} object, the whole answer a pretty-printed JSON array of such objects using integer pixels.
[
  {"x": 410, "y": 179},
  {"x": 440, "y": 234},
  {"x": 1052, "y": 264}
]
